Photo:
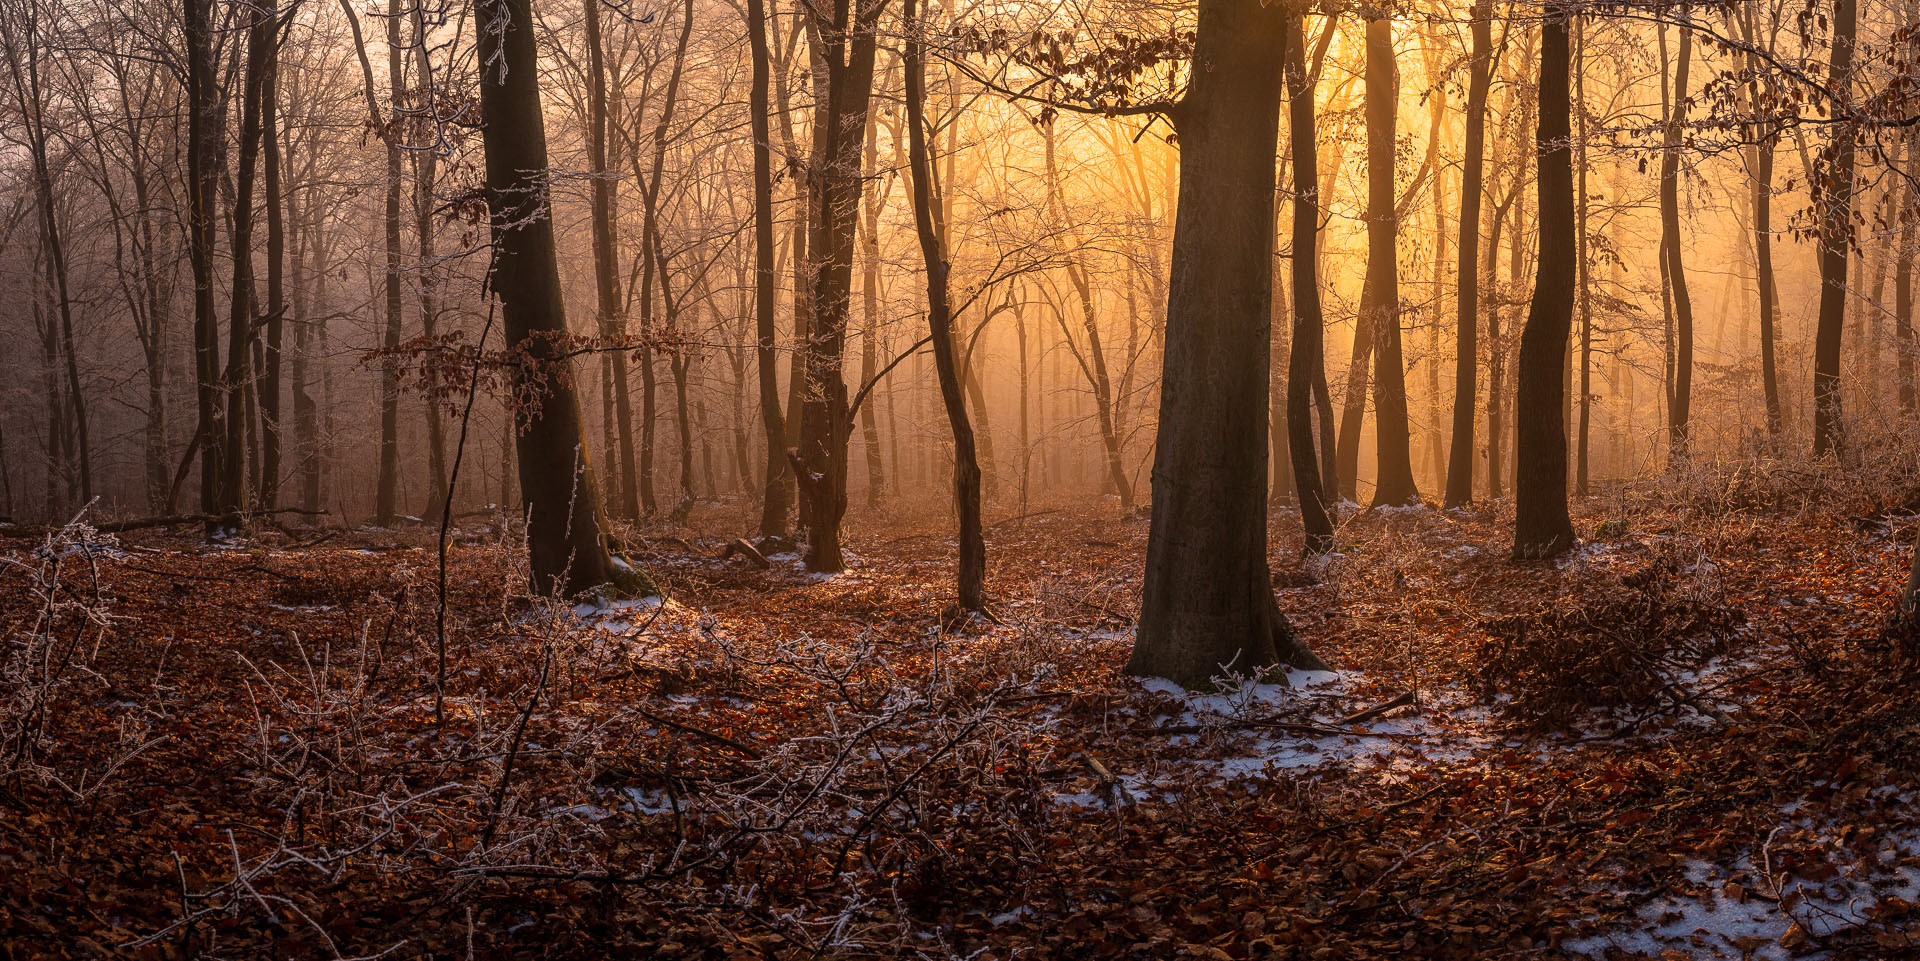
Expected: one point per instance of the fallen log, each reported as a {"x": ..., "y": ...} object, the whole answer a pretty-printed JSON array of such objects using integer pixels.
[
  {"x": 739, "y": 546},
  {"x": 168, "y": 520}
]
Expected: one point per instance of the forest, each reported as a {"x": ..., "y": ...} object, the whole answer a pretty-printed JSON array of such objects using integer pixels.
[{"x": 807, "y": 479}]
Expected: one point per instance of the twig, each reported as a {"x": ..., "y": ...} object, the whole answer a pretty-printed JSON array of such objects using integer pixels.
[{"x": 513, "y": 752}]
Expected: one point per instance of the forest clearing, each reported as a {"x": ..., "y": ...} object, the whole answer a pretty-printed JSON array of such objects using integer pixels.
[
  {"x": 926, "y": 479},
  {"x": 1683, "y": 736}
]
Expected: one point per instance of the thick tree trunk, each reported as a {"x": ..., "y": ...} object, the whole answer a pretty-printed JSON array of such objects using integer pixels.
[
  {"x": 1309, "y": 324},
  {"x": 927, "y": 210},
  {"x": 1393, "y": 481},
  {"x": 1207, "y": 604},
  {"x": 847, "y": 51},
  {"x": 559, "y": 497},
  {"x": 1541, "y": 526},
  {"x": 1835, "y": 236}
]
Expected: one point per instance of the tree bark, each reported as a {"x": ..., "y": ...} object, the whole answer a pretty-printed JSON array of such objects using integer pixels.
[
  {"x": 387, "y": 493},
  {"x": 1835, "y": 234},
  {"x": 1679, "y": 407},
  {"x": 1309, "y": 323},
  {"x": 773, "y": 496},
  {"x": 270, "y": 393},
  {"x": 1393, "y": 481},
  {"x": 1541, "y": 525},
  {"x": 559, "y": 497},
  {"x": 1207, "y": 603},
  {"x": 971, "y": 574},
  {"x": 606, "y": 276},
  {"x": 848, "y": 42}
]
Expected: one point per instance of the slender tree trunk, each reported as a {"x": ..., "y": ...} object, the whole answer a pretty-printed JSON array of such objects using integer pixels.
[
  {"x": 606, "y": 276},
  {"x": 1353, "y": 407},
  {"x": 240, "y": 318},
  {"x": 1903, "y": 281},
  {"x": 927, "y": 209},
  {"x": 1679, "y": 410},
  {"x": 1541, "y": 525},
  {"x": 870, "y": 314},
  {"x": 270, "y": 392},
  {"x": 1094, "y": 365},
  {"x": 27, "y": 85},
  {"x": 1393, "y": 482},
  {"x": 387, "y": 494},
  {"x": 773, "y": 496},
  {"x": 1581, "y": 261},
  {"x": 427, "y": 272},
  {"x": 1207, "y": 603},
  {"x": 1309, "y": 324},
  {"x": 560, "y": 500}
]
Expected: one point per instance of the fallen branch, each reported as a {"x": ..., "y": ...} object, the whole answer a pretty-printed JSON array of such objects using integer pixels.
[
  {"x": 1404, "y": 700},
  {"x": 740, "y": 547},
  {"x": 744, "y": 748}
]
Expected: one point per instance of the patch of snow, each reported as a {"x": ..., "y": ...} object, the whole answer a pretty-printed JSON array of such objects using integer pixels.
[
  {"x": 1767, "y": 913},
  {"x": 604, "y": 608},
  {"x": 1008, "y": 917}
]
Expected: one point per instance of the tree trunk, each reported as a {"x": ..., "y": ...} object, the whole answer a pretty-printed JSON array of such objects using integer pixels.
[
  {"x": 1393, "y": 481},
  {"x": 1679, "y": 409},
  {"x": 1582, "y": 264},
  {"x": 606, "y": 276},
  {"x": 206, "y": 126},
  {"x": 1094, "y": 365},
  {"x": 1309, "y": 324},
  {"x": 27, "y": 86},
  {"x": 426, "y": 179},
  {"x": 1541, "y": 526},
  {"x": 847, "y": 51},
  {"x": 971, "y": 580},
  {"x": 1903, "y": 281},
  {"x": 240, "y": 317},
  {"x": 1835, "y": 235},
  {"x": 387, "y": 494},
  {"x": 773, "y": 497},
  {"x": 559, "y": 497},
  {"x": 1353, "y": 407},
  {"x": 1460, "y": 451},
  {"x": 270, "y": 428},
  {"x": 1207, "y": 604}
]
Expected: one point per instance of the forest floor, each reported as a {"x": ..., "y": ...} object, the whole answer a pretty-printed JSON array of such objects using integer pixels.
[{"x": 1690, "y": 738}]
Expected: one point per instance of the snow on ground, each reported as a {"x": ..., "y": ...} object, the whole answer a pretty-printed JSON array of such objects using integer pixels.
[
  {"x": 1754, "y": 907},
  {"x": 1446, "y": 730}
]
